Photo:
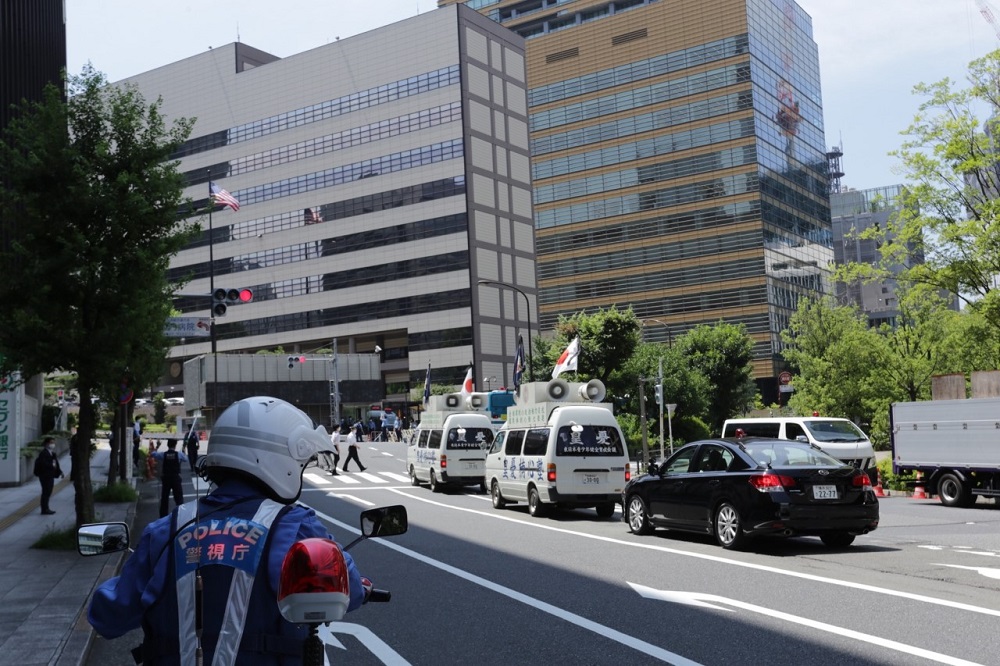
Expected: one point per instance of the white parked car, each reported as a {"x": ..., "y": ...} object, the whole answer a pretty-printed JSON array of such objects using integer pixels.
[
  {"x": 141, "y": 402},
  {"x": 173, "y": 401}
]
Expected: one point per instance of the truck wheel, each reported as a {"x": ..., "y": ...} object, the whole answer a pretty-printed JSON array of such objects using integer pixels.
[
  {"x": 535, "y": 506},
  {"x": 953, "y": 492},
  {"x": 498, "y": 501}
]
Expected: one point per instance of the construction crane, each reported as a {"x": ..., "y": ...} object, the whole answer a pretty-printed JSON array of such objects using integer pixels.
[{"x": 990, "y": 14}]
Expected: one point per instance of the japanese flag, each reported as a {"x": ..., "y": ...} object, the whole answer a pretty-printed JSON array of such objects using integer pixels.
[
  {"x": 568, "y": 359},
  {"x": 467, "y": 386}
]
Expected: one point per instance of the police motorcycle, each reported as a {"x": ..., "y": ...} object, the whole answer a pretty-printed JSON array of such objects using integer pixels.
[{"x": 269, "y": 442}]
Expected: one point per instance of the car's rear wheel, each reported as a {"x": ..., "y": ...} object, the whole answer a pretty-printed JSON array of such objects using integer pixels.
[
  {"x": 498, "y": 501},
  {"x": 729, "y": 527},
  {"x": 953, "y": 492},
  {"x": 535, "y": 506},
  {"x": 605, "y": 510},
  {"x": 414, "y": 481},
  {"x": 837, "y": 539},
  {"x": 638, "y": 518},
  {"x": 435, "y": 486}
]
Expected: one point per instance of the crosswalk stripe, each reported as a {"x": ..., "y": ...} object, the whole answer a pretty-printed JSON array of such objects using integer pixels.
[
  {"x": 397, "y": 477},
  {"x": 369, "y": 476}
]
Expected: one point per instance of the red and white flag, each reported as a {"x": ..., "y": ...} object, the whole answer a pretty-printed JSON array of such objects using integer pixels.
[
  {"x": 468, "y": 386},
  {"x": 568, "y": 359}
]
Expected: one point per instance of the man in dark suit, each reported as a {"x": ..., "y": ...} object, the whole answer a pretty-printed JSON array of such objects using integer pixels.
[{"x": 47, "y": 470}]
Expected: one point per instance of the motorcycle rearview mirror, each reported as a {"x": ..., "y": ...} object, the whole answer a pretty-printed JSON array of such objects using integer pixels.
[
  {"x": 102, "y": 538},
  {"x": 383, "y": 521}
]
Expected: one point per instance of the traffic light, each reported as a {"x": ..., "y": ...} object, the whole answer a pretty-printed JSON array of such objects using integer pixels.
[
  {"x": 659, "y": 394},
  {"x": 292, "y": 360},
  {"x": 223, "y": 298}
]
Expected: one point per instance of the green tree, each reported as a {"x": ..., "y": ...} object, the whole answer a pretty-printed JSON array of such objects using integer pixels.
[
  {"x": 723, "y": 353},
  {"x": 90, "y": 204},
  {"x": 951, "y": 214},
  {"x": 608, "y": 338}
]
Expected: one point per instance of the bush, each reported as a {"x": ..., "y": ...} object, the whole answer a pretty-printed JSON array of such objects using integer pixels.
[
  {"x": 57, "y": 540},
  {"x": 116, "y": 492},
  {"x": 892, "y": 481}
]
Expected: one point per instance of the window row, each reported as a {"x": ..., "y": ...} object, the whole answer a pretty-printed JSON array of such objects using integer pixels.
[
  {"x": 408, "y": 159},
  {"x": 637, "y": 71},
  {"x": 651, "y": 254},
  {"x": 332, "y": 142},
  {"x": 389, "y": 92},
  {"x": 452, "y": 337},
  {"x": 340, "y": 245},
  {"x": 661, "y": 225},
  {"x": 562, "y": 21},
  {"x": 620, "y": 288},
  {"x": 639, "y": 97},
  {"x": 650, "y": 173},
  {"x": 707, "y": 190},
  {"x": 383, "y": 308}
]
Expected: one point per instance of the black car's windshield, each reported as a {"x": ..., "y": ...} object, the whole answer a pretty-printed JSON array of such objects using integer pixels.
[
  {"x": 835, "y": 431},
  {"x": 780, "y": 453}
]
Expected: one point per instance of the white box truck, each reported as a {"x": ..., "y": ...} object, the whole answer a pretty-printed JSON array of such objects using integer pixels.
[{"x": 954, "y": 443}]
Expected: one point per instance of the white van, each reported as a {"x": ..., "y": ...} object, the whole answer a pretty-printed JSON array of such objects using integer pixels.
[
  {"x": 449, "y": 446},
  {"x": 559, "y": 446},
  {"x": 839, "y": 437}
]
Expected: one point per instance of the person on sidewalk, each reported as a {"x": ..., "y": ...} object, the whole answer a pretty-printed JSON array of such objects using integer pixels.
[
  {"x": 236, "y": 538},
  {"x": 331, "y": 452},
  {"x": 191, "y": 444},
  {"x": 352, "y": 452},
  {"x": 47, "y": 470},
  {"x": 170, "y": 475}
]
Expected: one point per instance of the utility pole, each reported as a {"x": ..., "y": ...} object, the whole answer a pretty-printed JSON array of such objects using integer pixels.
[
  {"x": 659, "y": 381},
  {"x": 642, "y": 419}
]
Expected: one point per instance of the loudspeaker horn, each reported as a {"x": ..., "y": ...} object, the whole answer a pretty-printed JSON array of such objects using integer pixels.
[
  {"x": 476, "y": 401},
  {"x": 593, "y": 390},
  {"x": 557, "y": 390},
  {"x": 453, "y": 400}
]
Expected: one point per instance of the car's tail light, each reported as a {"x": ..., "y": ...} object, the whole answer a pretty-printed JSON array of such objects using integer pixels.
[
  {"x": 862, "y": 481},
  {"x": 628, "y": 472},
  {"x": 771, "y": 483},
  {"x": 444, "y": 461},
  {"x": 551, "y": 473}
]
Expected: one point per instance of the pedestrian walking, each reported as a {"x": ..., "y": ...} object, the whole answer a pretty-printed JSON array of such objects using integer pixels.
[
  {"x": 324, "y": 457},
  {"x": 137, "y": 429},
  {"x": 47, "y": 470},
  {"x": 192, "y": 448},
  {"x": 352, "y": 452},
  {"x": 170, "y": 475}
]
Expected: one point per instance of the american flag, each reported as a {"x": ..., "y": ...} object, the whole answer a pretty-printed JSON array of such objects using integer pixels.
[{"x": 220, "y": 196}]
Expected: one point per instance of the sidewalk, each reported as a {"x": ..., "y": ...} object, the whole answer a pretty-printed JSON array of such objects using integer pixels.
[{"x": 44, "y": 593}]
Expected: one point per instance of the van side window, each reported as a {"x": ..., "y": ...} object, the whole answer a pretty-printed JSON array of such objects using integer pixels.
[
  {"x": 422, "y": 440},
  {"x": 760, "y": 429},
  {"x": 536, "y": 442},
  {"x": 434, "y": 439},
  {"x": 793, "y": 431},
  {"x": 513, "y": 445},
  {"x": 498, "y": 443}
]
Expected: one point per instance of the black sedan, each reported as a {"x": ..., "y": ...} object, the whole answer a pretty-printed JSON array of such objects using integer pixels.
[{"x": 739, "y": 488}]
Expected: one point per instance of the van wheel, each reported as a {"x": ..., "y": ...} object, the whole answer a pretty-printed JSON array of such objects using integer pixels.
[
  {"x": 606, "y": 510},
  {"x": 498, "y": 501},
  {"x": 482, "y": 487},
  {"x": 414, "y": 481},
  {"x": 535, "y": 506},
  {"x": 435, "y": 486}
]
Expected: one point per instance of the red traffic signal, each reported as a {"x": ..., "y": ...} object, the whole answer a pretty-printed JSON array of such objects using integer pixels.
[
  {"x": 246, "y": 295},
  {"x": 292, "y": 360}
]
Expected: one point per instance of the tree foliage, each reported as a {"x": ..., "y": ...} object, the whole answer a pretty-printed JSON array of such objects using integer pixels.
[
  {"x": 723, "y": 353},
  {"x": 90, "y": 205},
  {"x": 608, "y": 338}
]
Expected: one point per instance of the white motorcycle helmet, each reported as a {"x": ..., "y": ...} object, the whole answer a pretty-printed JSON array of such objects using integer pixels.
[{"x": 268, "y": 439}]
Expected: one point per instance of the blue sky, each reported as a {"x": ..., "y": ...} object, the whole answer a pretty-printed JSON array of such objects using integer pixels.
[{"x": 872, "y": 52}]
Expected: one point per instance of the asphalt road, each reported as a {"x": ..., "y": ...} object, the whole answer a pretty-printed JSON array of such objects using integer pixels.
[{"x": 473, "y": 584}]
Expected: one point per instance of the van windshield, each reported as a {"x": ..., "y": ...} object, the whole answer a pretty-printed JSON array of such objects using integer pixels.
[
  {"x": 469, "y": 438},
  {"x": 835, "y": 431},
  {"x": 577, "y": 440}
]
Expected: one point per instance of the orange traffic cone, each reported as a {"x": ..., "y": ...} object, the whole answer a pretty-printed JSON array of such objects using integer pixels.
[
  {"x": 918, "y": 490},
  {"x": 879, "y": 492}
]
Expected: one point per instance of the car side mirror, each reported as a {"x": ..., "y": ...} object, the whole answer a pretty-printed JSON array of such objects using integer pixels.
[{"x": 653, "y": 468}]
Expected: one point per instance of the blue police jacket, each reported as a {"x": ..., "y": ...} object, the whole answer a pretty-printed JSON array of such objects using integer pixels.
[{"x": 146, "y": 592}]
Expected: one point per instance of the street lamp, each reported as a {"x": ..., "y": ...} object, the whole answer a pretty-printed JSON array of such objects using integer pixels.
[
  {"x": 527, "y": 308},
  {"x": 489, "y": 383},
  {"x": 670, "y": 339}
]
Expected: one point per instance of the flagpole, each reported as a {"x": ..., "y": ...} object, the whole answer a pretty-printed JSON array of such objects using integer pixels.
[{"x": 211, "y": 303}]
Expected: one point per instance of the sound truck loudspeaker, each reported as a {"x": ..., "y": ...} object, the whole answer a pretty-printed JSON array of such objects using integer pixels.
[
  {"x": 476, "y": 401},
  {"x": 453, "y": 400},
  {"x": 557, "y": 390},
  {"x": 593, "y": 390}
]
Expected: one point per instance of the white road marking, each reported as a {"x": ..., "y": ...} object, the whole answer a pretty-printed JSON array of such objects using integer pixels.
[
  {"x": 347, "y": 497},
  {"x": 343, "y": 477},
  {"x": 987, "y": 553},
  {"x": 599, "y": 629},
  {"x": 932, "y": 547},
  {"x": 396, "y": 477},
  {"x": 313, "y": 477},
  {"x": 714, "y": 558},
  {"x": 365, "y": 636},
  {"x": 982, "y": 571},
  {"x": 709, "y": 601},
  {"x": 369, "y": 476}
]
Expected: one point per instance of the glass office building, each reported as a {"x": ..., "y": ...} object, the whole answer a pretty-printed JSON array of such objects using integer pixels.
[
  {"x": 380, "y": 178},
  {"x": 678, "y": 160}
]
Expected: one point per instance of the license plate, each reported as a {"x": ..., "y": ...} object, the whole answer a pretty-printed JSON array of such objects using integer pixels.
[
  {"x": 591, "y": 479},
  {"x": 471, "y": 466},
  {"x": 825, "y": 492}
]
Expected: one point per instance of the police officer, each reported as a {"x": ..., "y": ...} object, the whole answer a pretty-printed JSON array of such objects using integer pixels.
[
  {"x": 170, "y": 475},
  {"x": 237, "y": 536}
]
